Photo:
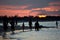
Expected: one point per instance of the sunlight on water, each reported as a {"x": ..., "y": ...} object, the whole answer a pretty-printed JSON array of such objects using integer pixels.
[{"x": 20, "y": 24}]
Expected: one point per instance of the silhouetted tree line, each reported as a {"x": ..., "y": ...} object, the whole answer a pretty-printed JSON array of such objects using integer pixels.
[{"x": 25, "y": 18}]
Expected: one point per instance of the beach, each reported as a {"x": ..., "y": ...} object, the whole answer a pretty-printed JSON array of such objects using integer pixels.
[{"x": 43, "y": 34}]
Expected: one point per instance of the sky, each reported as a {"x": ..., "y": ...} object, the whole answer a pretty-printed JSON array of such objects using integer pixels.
[{"x": 29, "y": 7}]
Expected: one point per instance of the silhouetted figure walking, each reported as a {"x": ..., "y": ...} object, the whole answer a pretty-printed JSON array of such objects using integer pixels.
[
  {"x": 23, "y": 26},
  {"x": 5, "y": 25},
  {"x": 30, "y": 25},
  {"x": 12, "y": 26},
  {"x": 36, "y": 26}
]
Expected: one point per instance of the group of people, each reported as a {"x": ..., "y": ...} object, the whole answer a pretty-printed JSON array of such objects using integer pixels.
[
  {"x": 36, "y": 26},
  {"x": 30, "y": 26},
  {"x": 13, "y": 23},
  {"x": 5, "y": 25}
]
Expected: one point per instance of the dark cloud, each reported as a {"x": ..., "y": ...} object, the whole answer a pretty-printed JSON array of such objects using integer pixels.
[{"x": 35, "y": 3}]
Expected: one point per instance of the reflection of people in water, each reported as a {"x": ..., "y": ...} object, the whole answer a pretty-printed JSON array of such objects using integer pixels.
[
  {"x": 23, "y": 27},
  {"x": 37, "y": 26},
  {"x": 12, "y": 26}
]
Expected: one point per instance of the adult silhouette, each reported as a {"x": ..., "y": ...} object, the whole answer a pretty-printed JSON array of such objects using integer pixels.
[
  {"x": 12, "y": 25},
  {"x": 30, "y": 25},
  {"x": 23, "y": 26},
  {"x": 15, "y": 19},
  {"x": 36, "y": 26},
  {"x": 56, "y": 24},
  {"x": 5, "y": 25}
]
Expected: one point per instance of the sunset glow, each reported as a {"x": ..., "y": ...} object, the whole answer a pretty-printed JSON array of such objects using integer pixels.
[
  {"x": 42, "y": 16},
  {"x": 29, "y": 8}
]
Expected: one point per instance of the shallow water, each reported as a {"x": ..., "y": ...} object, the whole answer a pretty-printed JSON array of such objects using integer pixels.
[{"x": 49, "y": 24}]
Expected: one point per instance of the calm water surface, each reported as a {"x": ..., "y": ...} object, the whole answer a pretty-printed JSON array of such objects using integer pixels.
[{"x": 49, "y": 24}]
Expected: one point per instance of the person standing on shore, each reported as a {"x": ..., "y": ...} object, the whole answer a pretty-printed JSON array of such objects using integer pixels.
[
  {"x": 12, "y": 26},
  {"x": 56, "y": 24},
  {"x": 36, "y": 26},
  {"x": 5, "y": 25},
  {"x": 23, "y": 26},
  {"x": 30, "y": 25}
]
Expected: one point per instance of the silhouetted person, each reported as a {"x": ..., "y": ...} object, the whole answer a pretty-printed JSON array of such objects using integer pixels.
[
  {"x": 36, "y": 26},
  {"x": 30, "y": 25},
  {"x": 5, "y": 25},
  {"x": 23, "y": 27},
  {"x": 56, "y": 24},
  {"x": 15, "y": 19},
  {"x": 12, "y": 26}
]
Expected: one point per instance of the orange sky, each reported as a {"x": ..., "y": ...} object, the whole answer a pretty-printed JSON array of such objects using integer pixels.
[{"x": 23, "y": 10}]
